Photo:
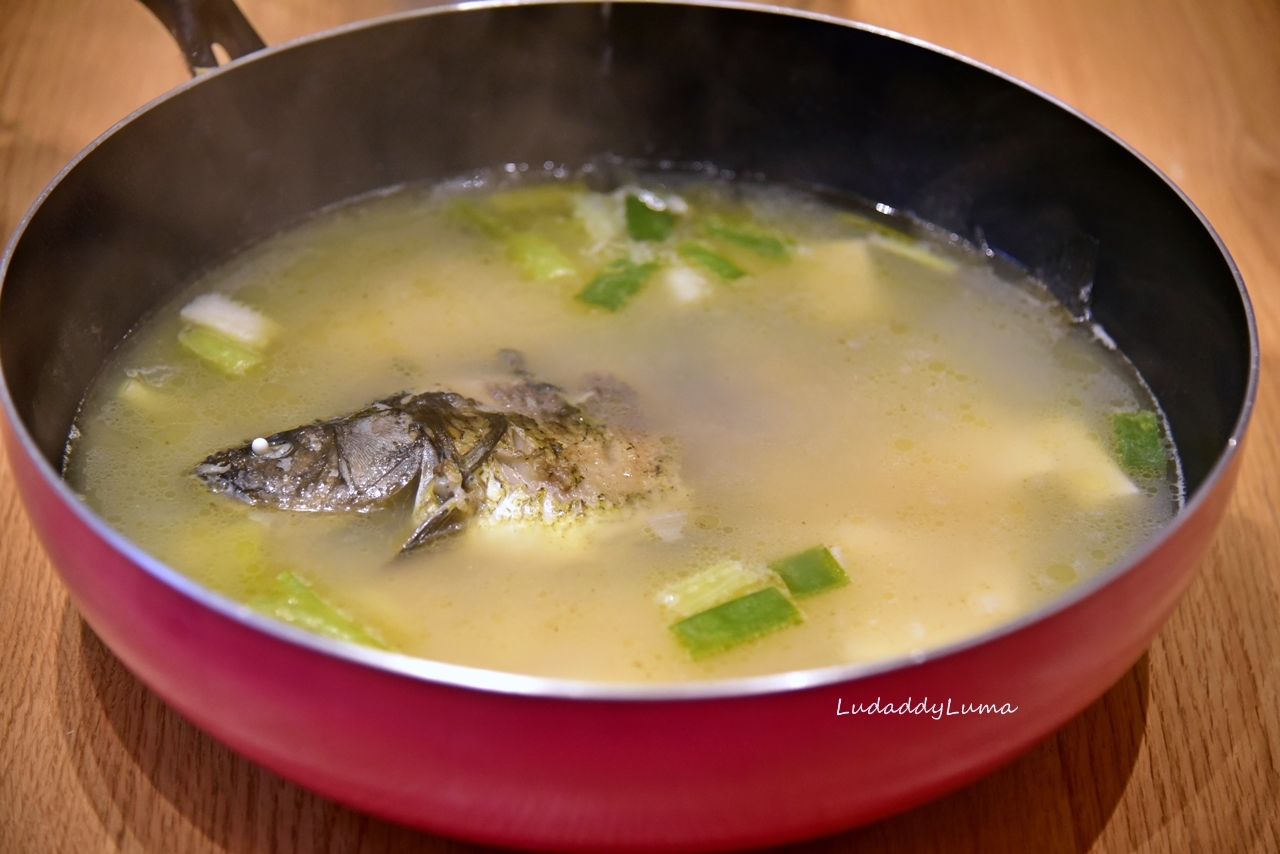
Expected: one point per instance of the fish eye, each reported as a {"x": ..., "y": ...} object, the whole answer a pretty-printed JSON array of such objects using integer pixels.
[{"x": 266, "y": 449}]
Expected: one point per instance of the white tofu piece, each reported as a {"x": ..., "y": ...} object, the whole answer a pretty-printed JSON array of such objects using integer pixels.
[
  {"x": 1089, "y": 471},
  {"x": 139, "y": 394},
  {"x": 1059, "y": 448},
  {"x": 929, "y": 573},
  {"x": 1020, "y": 456},
  {"x": 841, "y": 277}
]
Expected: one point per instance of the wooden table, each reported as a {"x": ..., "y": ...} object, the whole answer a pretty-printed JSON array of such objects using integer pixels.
[{"x": 1182, "y": 755}]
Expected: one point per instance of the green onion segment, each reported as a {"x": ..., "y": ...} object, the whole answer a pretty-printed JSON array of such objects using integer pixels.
[
  {"x": 726, "y": 626},
  {"x": 617, "y": 283},
  {"x": 1138, "y": 444},
  {"x": 814, "y": 570}
]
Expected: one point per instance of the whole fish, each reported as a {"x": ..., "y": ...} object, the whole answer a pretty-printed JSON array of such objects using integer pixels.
[{"x": 529, "y": 456}]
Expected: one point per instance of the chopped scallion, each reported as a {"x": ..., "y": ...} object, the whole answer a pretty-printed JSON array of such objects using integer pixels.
[
  {"x": 293, "y": 601},
  {"x": 230, "y": 319},
  {"x": 748, "y": 237},
  {"x": 536, "y": 199},
  {"x": 711, "y": 260},
  {"x": 1138, "y": 443},
  {"x": 646, "y": 223},
  {"x": 736, "y": 622},
  {"x": 617, "y": 283},
  {"x": 811, "y": 571},
  {"x": 713, "y": 586},
  {"x": 917, "y": 252},
  {"x": 218, "y": 350},
  {"x": 465, "y": 212},
  {"x": 538, "y": 257},
  {"x": 865, "y": 223}
]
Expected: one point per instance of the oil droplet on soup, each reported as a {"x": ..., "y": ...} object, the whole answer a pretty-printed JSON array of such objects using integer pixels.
[{"x": 877, "y": 445}]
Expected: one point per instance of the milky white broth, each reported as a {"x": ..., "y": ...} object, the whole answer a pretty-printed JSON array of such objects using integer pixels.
[{"x": 945, "y": 431}]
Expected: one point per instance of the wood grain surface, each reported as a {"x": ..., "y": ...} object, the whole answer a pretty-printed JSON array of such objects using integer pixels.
[{"x": 1182, "y": 755}]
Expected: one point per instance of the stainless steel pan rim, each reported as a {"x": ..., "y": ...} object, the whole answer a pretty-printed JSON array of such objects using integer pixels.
[{"x": 565, "y": 689}]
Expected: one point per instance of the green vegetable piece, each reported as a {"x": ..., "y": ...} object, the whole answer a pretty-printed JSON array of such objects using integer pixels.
[
  {"x": 617, "y": 283},
  {"x": 645, "y": 223},
  {"x": 864, "y": 223},
  {"x": 713, "y": 586},
  {"x": 219, "y": 351},
  {"x": 711, "y": 260},
  {"x": 465, "y": 212},
  {"x": 538, "y": 257},
  {"x": 733, "y": 623},
  {"x": 812, "y": 571},
  {"x": 294, "y": 602},
  {"x": 536, "y": 199},
  {"x": 917, "y": 252},
  {"x": 748, "y": 237},
  {"x": 1138, "y": 443}
]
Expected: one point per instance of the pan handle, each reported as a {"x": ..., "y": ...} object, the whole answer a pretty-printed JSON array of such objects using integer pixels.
[{"x": 197, "y": 25}]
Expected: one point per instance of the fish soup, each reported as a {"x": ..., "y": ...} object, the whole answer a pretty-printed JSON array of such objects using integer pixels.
[{"x": 679, "y": 428}]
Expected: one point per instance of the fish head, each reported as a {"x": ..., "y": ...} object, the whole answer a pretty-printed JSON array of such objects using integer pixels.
[{"x": 350, "y": 463}]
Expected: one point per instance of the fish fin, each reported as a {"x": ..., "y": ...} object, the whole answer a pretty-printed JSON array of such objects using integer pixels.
[
  {"x": 484, "y": 446},
  {"x": 448, "y": 519}
]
